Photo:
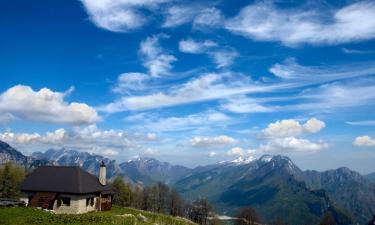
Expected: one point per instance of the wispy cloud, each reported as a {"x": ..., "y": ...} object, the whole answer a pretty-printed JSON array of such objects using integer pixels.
[
  {"x": 217, "y": 141},
  {"x": 266, "y": 22},
  {"x": 222, "y": 56},
  {"x": 203, "y": 119},
  {"x": 128, "y": 82},
  {"x": 356, "y": 51},
  {"x": 243, "y": 104},
  {"x": 291, "y": 70},
  {"x": 119, "y": 15},
  {"x": 362, "y": 123},
  {"x": 195, "y": 46},
  {"x": 201, "y": 17},
  {"x": 209, "y": 86},
  {"x": 291, "y": 76},
  {"x": 155, "y": 58}
]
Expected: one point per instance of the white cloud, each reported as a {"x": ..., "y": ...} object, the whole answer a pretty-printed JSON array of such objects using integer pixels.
[
  {"x": 242, "y": 104},
  {"x": 202, "y": 18},
  {"x": 344, "y": 95},
  {"x": 212, "y": 154},
  {"x": 362, "y": 123},
  {"x": 87, "y": 138},
  {"x": 281, "y": 136},
  {"x": 222, "y": 140},
  {"x": 223, "y": 58},
  {"x": 205, "y": 87},
  {"x": 265, "y": 22},
  {"x": 154, "y": 56},
  {"x": 356, "y": 51},
  {"x": 119, "y": 15},
  {"x": 213, "y": 86},
  {"x": 192, "y": 121},
  {"x": 292, "y": 127},
  {"x": 191, "y": 46},
  {"x": 128, "y": 82},
  {"x": 208, "y": 18},
  {"x": 365, "y": 141},
  {"x": 291, "y": 144},
  {"x": 292, "y": 71},
  {"x": 109, "y": 152},
  {"x": 178, "y": 15},
  {"x": 238, "y": 151},
  {"x": 24, "y": 103},
  {"x": 25, "y": 138},
  {"x": 151, "y": 136},
  {"x": 151, "y": 151}
]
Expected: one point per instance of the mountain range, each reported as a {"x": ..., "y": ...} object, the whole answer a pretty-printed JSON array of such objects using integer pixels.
[{"x": 273, "y": 185}]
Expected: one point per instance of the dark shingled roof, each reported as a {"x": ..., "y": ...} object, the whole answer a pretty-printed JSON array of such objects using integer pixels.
[{"x": 63, "y": 179}]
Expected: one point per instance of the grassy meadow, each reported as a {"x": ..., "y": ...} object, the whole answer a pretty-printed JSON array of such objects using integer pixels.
[{"x": 123, "y": 216}]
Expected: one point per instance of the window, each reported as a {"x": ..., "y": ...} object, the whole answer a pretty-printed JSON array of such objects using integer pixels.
[
  {"x": 89, "y": 201},
  {"x": 63, "y": 202},
  {"x": 66, "y": 201}
]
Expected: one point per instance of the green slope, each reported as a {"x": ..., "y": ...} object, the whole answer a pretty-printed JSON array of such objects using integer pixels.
[
  {"x": 123, "y": 216},
  {"x": 269, "y": 186}
]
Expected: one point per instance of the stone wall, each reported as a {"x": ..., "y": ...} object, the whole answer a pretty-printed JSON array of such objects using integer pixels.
[{"x": 77, "y": 204}]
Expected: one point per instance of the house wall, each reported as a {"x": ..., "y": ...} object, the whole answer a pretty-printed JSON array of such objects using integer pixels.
[{"x": 77, "y": 204}]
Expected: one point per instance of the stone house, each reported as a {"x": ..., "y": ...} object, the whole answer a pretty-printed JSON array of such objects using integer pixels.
[{"x": 67, "y": 189}]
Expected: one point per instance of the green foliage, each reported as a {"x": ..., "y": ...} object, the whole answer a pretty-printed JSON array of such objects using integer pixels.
[
  {"x": 11, "y": 177},
  {"x": 118, "y": 215},
  {"x": 123, "y": 194}
]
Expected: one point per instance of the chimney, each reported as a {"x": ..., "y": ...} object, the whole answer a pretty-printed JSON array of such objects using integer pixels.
[{"x": 102, "y": 173}]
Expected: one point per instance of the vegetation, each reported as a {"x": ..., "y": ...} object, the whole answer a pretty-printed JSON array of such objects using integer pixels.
[
  {"x": 118, "y": 215},
  {"x": 248, "y": 216},
  {"x": 328, "y": 219},
  {"x": 160, "y": 198},
  {"x": 10, "y": 178}
]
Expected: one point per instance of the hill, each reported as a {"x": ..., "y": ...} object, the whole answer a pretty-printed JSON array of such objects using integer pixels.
[
  {"x": 9, "y": 154},
  {"x": 267, "y": 183},
  {"x": 124, "y": 216},
  {"x": 276, "y": 187},
  {"x": 371, "y": 177},
  {"x": 348, "y": 189}
]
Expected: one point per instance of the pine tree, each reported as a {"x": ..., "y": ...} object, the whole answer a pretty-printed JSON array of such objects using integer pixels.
[{"x": 10, "y": 178}]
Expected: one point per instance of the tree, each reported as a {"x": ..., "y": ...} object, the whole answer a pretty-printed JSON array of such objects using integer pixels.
[
  {"x": 199, "y": 211},
  {"x": 122, "y": 192},
  {"x": 328, "y": 219},
  {"x": 11, "y": 177},
  {"x": 215, "y": 221},
  {"x": 138, "y": 197},
  {"x": 177, "y": 204},
  {"x": 247, "y": 216},
  {"x": 164, "y": 198}
]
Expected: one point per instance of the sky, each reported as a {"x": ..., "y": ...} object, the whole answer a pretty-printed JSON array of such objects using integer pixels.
[{"x": 191, "y": 82}]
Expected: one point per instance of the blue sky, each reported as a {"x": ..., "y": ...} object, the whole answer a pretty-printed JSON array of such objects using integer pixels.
[{"x": 191, "y": 83}]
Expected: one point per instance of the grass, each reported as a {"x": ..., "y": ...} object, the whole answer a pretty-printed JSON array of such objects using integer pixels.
[{"x": 118, "y": 215}]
